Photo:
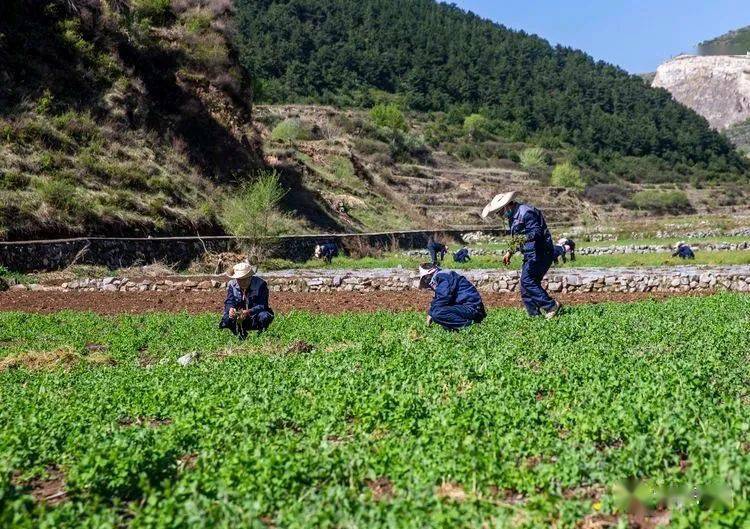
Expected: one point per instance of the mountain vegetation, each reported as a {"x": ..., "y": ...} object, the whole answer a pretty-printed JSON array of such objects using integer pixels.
[
  {"x": 434, "y": 57},
  {"x": 735, "y": 42},
  {"x": 739, "y": 134}
]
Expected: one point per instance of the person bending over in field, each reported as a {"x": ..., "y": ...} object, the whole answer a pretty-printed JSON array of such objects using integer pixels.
[
  {"x": 557, "y": 253},
  {"x": 457, "y": 303},
  {"x": 569, "y": 246},
  {"x": 683, "y": 251},
  {"x": 326, "y": 251},
  {"x": 538, "y": 250},
  {"x": 462, "y": 256},
  {"x": 436, "y": 250},
  {"x": 246, "y": 307}
]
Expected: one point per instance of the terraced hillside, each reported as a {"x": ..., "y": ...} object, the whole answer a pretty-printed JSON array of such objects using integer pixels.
[{"x": 367, "y": 183}]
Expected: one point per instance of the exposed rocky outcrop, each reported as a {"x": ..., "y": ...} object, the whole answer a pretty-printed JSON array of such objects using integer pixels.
[{"x": 716, "y": 87}]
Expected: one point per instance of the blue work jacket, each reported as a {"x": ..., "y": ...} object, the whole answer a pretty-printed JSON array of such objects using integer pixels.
[
  {"x": 529, "y": 222},
  {"x": 329, "y": 249},
  {"x": 685, "y": 252},
  {"x": 453, "y": 289},
  {"x": 254, "y": 299}
]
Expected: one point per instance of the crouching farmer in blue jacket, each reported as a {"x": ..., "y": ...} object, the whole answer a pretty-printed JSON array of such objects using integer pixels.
[
  {"x": 538, "y": 250},
  {"x": 246, "y": 307},
  {"x": 462, "y": 256},
  {"x": 683, "y": 251},
  {"x": 457, "y": 303}
]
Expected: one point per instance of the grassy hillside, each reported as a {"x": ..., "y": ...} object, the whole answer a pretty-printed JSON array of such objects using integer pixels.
[
  {"x": 119, "y": 117},
  {"x": 435, "y": 57},
  {"x": 735, "y": 42},
  {"x": 437, "y": 170}
]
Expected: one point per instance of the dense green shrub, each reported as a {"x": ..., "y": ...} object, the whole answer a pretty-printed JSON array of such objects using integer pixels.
[
  {"x": 388, "y": 115},
  {"x": 290, "y": 130},
  {"x": 403, "y": 146},
  {"x": 156, "y": 12},
  {"x": 660, "y": 202},
  {"x": 533, "y": 160},
  {"x": 567, "y": 175},
  {"x": 475, "y": 125}
]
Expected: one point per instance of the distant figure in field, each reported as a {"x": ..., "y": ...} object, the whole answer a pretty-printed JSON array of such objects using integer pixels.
[
  {"x": 538, "y": 250},
  {"x": 683, "y": 251},
  {"x": 326, "y": 251},
  {"x": 457, "y": 303},
  {"x": 557, "y": 253},
  {"x": 462, "y": 256},
  {"x": 436, "y": 249},
  {"x": 569, "y": 246},
  {"x": 246, "y": 307}
]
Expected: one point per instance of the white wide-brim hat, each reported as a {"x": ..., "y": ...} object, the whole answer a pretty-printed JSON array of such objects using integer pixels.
[
  {"x": 242, "y": 270},
  {"x": 681, "y": 243},
  {"x": 424, "y": 271},
  {"x": 499, "y": 202}
]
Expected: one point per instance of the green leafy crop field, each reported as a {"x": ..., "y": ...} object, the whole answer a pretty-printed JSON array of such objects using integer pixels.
[{"x": 375, "y": 420}]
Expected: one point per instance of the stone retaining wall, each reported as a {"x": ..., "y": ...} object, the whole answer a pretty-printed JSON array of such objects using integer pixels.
[
  {"x": 656, "y": 279},
  {"x": 36, "y": 256}
]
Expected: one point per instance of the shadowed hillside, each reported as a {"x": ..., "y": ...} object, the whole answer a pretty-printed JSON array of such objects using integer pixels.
[{"x": 119, "y": 118}]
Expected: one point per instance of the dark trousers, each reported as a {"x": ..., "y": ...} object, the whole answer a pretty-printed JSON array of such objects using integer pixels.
[
  {"x": 258, "y": 322},
  {"x": 532, "y": 293},
  {"x": 434, "y": 255},
  {"x": 456, "y": 317}
]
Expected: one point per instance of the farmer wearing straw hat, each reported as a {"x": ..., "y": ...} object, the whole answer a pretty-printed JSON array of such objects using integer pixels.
[
  {"x": 457, "y": 303},
  {"x": 537, "y": 248},
  {"x": 246, "y": 307}
]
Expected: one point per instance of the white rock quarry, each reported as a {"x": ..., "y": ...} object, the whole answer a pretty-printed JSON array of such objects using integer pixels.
[{"x": 716, "y": 87}]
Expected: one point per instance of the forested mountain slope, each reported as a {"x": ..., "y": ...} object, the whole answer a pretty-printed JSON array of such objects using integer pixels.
[{"x": 436, "y": 57}]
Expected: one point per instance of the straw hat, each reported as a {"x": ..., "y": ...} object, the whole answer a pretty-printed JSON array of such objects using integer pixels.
[
  {"x": 242, "y": 270},
  {"x": 499, "y": 202}
]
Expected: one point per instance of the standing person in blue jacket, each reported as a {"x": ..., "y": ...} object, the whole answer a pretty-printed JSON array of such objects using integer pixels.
[
  {"x": 436, "y": 249},
  {"x": 457, "y": 303},
  {"x": 246, "y": 307},
  {"x": 537, "y": 247},
  {"x": 683, "y": 251}
]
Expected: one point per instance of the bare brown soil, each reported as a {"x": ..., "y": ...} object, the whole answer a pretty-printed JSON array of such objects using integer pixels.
[
  {"x": 109, "y": 303},
  {"x": 49, "y": 489}
]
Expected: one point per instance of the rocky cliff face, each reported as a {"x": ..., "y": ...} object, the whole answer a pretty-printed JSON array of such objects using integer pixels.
[{"x": 717, "y": 87}]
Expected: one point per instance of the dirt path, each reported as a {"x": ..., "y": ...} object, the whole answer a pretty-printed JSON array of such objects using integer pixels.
[{"x": 196, "y": 302}]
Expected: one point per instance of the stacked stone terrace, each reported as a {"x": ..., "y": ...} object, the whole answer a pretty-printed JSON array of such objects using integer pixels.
[{"x": 655, "y": 279}]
